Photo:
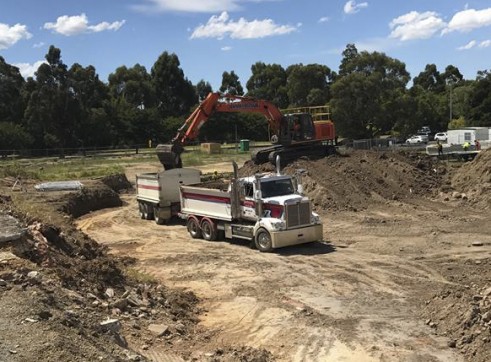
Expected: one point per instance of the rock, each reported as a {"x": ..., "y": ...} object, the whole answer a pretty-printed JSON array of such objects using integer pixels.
[
  {"x": 452, "y": 343},
  {"x": 45, "y": 314},
  {"x": 113, "y": 325},
  {"x": 121, "y": 304},
  {"x": 181, "y": 328},
  {"x": 133, "y": 300},
  {"x": 91, "y": 296},
  {"x": 158, "y": 329},
  {"x": 120, "y": 340},
  {"x": 487, "y": 292},
  {"x": 477, "y": 297},
  {"x": 33, "y": 274},
  {"x": 456, "y": 195},
  {"x": 110, "y": 292},
  {"x": 3, "y": 283},
  {"x": 486, "y": 317},
  {"x": 477, "y": 243},
  {"x": 31, "y": 320}
]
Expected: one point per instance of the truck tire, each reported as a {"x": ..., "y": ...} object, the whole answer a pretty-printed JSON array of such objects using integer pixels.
[
  {"x": 157, "y": 218},
  {"x": 209, "y": 229},
  {"x": 263, "y": 241},
  {"x": 141, "y": 206},
  {"x": 192, "y": 225},
  {"x": 149, "y": 211}
]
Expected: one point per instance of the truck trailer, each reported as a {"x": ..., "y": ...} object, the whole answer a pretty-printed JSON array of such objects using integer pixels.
[
  {"x": 266, "y": 209},
  {"x": 158, "y": 194}
]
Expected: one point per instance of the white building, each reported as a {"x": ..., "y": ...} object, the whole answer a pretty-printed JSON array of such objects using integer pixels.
[{"x": 469, "y": 134}]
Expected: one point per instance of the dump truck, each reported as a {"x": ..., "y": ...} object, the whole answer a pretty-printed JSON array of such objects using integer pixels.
[
  {"x": 158, "y": 194},
  {"x": 267, "y": 209}
]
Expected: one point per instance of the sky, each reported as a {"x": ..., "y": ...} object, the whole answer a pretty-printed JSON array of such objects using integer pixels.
[{"x": 213, "y": 36}]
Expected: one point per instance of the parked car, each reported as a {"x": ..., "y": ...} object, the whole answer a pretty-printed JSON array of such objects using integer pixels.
[
  {"x": 417, "y": 139},
  {"x": 441, "y": 136}
]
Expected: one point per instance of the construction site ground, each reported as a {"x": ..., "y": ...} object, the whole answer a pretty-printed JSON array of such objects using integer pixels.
[{"x": 403, "y": 272}]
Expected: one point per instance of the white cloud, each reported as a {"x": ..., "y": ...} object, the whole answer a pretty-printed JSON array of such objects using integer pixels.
[
  {"x": 415, "y": 25},
  {"x": 77, "y": 24},
  {"x": 226, "y": 48},
  {"x": 469, "y": 19},
  {"x": 221, "y": 26},
  {"x": 28, "y": 70},
  {"x": 38, "y": 45},
  {"x": 352, "y": 7},
  {"x": 324, "y": 19},
  {"x": 485, "y": 44},
  {"x": 9, "y": 35},
  {"x": 468, "y": 46},
  {"x": 195, "y": 6}
]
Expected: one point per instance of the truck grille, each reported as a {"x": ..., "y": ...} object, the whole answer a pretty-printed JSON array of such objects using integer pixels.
[{"x": 297, "y": 214}]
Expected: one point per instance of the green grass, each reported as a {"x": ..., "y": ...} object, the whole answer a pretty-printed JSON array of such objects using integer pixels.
[{"x": 71, "y": 168}]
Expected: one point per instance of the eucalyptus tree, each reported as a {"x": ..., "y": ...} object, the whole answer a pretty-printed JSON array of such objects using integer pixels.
[
  {"x": 309, "y": 85},
  {"x": 231, "y": 84},
  {"x": 268, "y": 81},
  {"x": 369, "y": 98},
  {"x": 175, "y": 94}
]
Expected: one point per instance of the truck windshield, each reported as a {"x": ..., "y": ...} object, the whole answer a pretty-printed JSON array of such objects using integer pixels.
[{"x": 274, "y": 188}]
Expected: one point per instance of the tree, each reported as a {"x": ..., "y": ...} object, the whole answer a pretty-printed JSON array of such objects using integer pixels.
[
  {"x": 14, "y": 136},
  {"x": 430, "y": 79},
  {"x": 370, "y": 98},
  {"x": 480, "y": 101},
  {"x": 49, "y": 113},
  {"x": 203, "y": 89},
  {"x": 349, "y": 54},
  {"x": 134, "y": 85},
  {"x": 307, "y": 84},
  {"x": 231, "y": 84},
  {"x": 268, "y": 81},
  {"x": 175, "y": 94},
  {"x": 11, "y": 100},
  {"x": 452, "y": 75}
]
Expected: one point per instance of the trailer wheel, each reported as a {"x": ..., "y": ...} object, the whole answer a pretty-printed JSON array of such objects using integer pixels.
[
  {"x": 141, "y": 206},
  {"x": 209, "y": 229},
  {"x": 157, "y": 218},
  {"x": 149, "y": 210},
  {"x": 263, "y": 241},
  {"x": 193, "y": 227}
]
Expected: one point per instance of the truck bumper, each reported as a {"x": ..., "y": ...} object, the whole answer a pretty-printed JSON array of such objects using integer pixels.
[{"x": 296, "y": 236}]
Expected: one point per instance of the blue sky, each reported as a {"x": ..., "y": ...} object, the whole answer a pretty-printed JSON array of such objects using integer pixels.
[{"x": 213, "y": 36}]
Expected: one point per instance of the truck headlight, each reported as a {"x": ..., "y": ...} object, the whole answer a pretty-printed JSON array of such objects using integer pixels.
[
  {"x": 278, "y": 225},
  {"x": 315, "y": 219}
]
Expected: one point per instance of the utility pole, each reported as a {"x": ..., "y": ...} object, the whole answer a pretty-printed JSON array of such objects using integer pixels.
[{"x": 450, "y": 105}]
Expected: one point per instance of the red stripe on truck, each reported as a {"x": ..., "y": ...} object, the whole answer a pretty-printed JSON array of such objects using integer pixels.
[
  {"x": 210, "y": 198},
  {"x": 149, "y": 187}
]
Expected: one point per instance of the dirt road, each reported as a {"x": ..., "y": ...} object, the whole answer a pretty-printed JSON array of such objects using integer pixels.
[{"x": 356, "y": 297}]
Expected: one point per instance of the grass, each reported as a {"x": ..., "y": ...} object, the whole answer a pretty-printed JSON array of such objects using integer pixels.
[{"x": 74, "y": 168}]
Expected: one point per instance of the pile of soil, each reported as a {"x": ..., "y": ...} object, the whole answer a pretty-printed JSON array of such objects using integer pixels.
[
  {"x": 473, "y": 180},
  {"x": 462, "y": 311},
  {"x": 357, "y": 180}
]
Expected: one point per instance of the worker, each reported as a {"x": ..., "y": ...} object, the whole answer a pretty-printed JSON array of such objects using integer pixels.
[
  {"x": 466, "y": 146},
  {"x": 440, "y": 148},
  {"x": 477, "y": 144}
]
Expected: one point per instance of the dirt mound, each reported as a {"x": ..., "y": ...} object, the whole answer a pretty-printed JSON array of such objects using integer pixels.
[
  {"x": 94, "y": 197},
  {"x": 474, "y": 180},
  {"x": 117, "y": 182},
  {"x": 242, "y": 354},
  {"x": 355, "y": 181},
  {"x": 462, "y": 311}
]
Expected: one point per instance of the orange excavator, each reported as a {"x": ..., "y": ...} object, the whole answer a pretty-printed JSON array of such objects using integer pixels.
[{"x": 292, "y": 135}]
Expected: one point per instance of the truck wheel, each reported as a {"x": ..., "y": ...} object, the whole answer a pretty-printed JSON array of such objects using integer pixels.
[
  {"x": 263, "y": 241},
  {"x": 193, "y": 227},
  {"x": 141, "y": 206},
  {"x": 149, "y": 210},
  {"x": 158, "y": 219},
  {"x": 209, "y": 230}
]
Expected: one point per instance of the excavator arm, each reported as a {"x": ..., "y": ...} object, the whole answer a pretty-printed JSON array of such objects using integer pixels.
[{"x": 169, "y": 154}]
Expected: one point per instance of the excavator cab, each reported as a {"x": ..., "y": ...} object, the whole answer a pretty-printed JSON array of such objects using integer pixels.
[{"x": 300, "y": 126}]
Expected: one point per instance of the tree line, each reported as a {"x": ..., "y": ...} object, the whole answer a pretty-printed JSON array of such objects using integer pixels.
[{"x": 70, "y": 107}]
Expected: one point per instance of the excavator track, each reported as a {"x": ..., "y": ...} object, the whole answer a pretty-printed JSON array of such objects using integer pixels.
[{"x": 288, "y": 154}]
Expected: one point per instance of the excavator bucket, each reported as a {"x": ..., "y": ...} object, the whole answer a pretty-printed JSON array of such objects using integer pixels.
[{"x": 169, "y": 155}]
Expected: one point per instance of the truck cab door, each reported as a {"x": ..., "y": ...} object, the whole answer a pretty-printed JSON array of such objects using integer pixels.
[{"x": 248, "y": 210}]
